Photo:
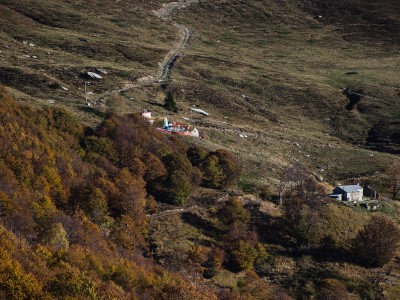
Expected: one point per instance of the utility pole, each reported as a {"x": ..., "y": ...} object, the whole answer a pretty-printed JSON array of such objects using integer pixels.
[
  {"x": 86, "y": 95},
  {"x": 86, "y": 99}
]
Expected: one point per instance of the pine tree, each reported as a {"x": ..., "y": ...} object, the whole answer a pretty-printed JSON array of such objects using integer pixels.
[{"x": 170, "y": 103}]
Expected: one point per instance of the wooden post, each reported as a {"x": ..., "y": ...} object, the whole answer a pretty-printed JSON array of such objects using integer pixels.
[{"x": 86, "y": 99}]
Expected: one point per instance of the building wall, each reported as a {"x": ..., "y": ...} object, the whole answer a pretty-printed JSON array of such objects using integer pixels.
[
  {"x": 338, "y": 190},
  {"x": 355, "y": 196}
]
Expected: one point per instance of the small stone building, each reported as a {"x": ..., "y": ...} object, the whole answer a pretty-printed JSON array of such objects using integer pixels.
[{"x": 348, "y": 193}]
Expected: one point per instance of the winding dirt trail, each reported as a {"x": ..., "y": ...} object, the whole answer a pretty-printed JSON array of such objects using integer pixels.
[
  {"x": 169, "y": 61},
  {"x": 165, "y": 13},
  {"x": 165, "y": 67}
]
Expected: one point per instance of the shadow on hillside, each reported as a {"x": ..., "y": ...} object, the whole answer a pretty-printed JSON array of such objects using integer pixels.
[
  {"x": 93, "y": 111},
  {"x": 205, "y": 226},
  {"x": 155, "y": 103},
  {"x": 353, "y": 97},
  {"x": 325, "y": 254},
  {"x": 274, "y": 231}
]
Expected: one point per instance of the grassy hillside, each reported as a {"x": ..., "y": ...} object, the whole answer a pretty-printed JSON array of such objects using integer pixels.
[
  {"x": 50, "y": 45},
  {"x": 278, "y": 70},
  {"x": 89, "y": 194},
  {"x": 291, "y": 67},
  {"x": 260, "y": 68}
]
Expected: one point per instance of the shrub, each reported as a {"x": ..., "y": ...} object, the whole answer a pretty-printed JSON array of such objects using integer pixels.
[
  {"x": 376, "y": 244},
  {"x": 303, "y": 223},
  {"x": 55, "y": 86},
  {"x": 213, "y": 174},
  {"x": 155, "y": 169},
  {"x": 196, "y": 155},
  {"x": 230, "y": 167},
  {"x": 72, "y": 282},
  {"x": 177, "y": 162},
  {"x": 14, "y": 282},
  {"x": 124, "y": 74},
  {"x": 233, "y": 212},
  {"x": 178, "y": 188},
  {"x": 265, "y": 194},
  {"x": 244, "y": 256},
  {"x": 332, "y": 289},
  {"x": 196, "y": 177},
  {"x": 221, "y": 169},
  {"x": 170, "y": 103},
  {"x": 214, "y": 262},
  {"x": 251, "y": 286}
]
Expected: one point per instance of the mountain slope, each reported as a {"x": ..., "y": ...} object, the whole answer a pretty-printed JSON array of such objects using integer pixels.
[{"x": 89, "y": 194}]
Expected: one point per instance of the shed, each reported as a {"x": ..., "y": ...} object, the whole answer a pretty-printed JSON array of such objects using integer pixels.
[
  {"x": 146, "y": 114},
  {"x": 370, "y": 192},
  {"x": 349, "y": 192}
]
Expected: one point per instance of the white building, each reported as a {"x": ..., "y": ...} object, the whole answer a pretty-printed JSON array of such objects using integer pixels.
[{"x": 348, "y": 193}]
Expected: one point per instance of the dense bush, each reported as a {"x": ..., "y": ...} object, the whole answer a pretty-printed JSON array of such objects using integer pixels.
[
  {"x": 178, "y": 188},
  {"x": 376, "y": 244},
  {"x": 221, "y": 169},
  {"x": 72, "y": 282},
  {"x": 170, "y": 103}
]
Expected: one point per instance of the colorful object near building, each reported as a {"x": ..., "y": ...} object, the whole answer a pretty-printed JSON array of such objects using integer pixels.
[
  {"x": 175, "y": 128},
  {"x": 165, "y": 124}
]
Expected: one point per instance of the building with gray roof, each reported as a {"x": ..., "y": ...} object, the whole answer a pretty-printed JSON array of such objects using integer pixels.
[{"x": 348, "y": 193}]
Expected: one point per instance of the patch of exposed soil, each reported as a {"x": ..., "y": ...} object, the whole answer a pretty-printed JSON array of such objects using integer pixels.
[
  {"x": 26, "y": 82},
  {"x": 384, "y": 136}
]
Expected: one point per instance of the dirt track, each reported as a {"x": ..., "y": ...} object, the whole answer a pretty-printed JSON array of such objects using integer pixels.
[
  {"x": 165, "y": 13},
  {"x": 168, "y": 9},
  {"x": 169, "y": 61}
]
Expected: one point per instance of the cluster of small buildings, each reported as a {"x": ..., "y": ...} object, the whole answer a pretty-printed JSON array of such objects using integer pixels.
[{"x": 171, "y": 127}]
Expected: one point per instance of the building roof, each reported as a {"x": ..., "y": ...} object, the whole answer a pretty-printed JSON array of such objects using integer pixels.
[{"x": 350, "y": 188}]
